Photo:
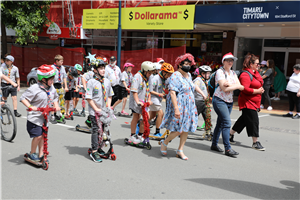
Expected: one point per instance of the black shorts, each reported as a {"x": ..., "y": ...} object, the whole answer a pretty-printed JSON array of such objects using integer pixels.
[
  {"x": 57, "y": 85},
  {"x": 69, "y": 95},
  {"x": 34, "y": 130},
  {"x": 117, "y": 94},
  {"x": 76, "y": 94},
  {"x": 9, "y": 90},
  {"x": 124, "y": 92}
]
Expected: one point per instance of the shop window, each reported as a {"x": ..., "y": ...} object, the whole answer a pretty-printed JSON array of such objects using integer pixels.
[{"x": 281, "y": 43}]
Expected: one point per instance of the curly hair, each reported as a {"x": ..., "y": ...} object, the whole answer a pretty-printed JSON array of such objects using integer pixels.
[
  {"x": 249, "y": 59},
  {"x": 186, "y": 57}
]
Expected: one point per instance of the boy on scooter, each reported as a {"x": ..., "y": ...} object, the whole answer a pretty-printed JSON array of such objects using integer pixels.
[
  {"x": 98, "y": 95},
  {"x": 39, "y": 95}
]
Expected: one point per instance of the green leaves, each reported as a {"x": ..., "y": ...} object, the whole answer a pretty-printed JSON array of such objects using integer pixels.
[{"x": 25, "y": 17}]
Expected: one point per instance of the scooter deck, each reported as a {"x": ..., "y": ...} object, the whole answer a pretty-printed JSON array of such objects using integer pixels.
[
  {"x": 84, "y": 129},
  {"x": 165, "y": 135},
  {"x": 122, "y": 115},
  {"x": 140, "y": 145},
  {"x": 39, "y": 164}
]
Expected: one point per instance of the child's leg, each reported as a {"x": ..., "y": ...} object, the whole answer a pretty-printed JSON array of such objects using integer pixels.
[
  {"x": 159, "y": 119},
  {"x": 134, "y": 121},
  {"x": 94, "y": 135},
  {"x": 41, "y": 147},
  {"x": 34, "y": 143},
  {"x": 152, "y": 115},
  {"x": 67, "y": 104},
  {"x": 124, "y": 103}
]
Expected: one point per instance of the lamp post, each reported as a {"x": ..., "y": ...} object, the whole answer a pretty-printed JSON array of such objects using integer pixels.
[{"x": 119, "y": 36}]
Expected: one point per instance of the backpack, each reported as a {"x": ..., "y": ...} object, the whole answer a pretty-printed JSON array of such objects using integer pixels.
[
  {"x": 212, "y": 86},
  {"x": 237, "y": 92}
]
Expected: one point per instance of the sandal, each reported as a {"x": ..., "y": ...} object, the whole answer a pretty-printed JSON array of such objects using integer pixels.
[
  {"x": 179, "y": 156},
  {"x": 164, "y": 153}
]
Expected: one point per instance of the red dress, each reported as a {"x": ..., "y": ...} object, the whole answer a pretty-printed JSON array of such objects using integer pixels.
[{"x": 246, "y": 98}]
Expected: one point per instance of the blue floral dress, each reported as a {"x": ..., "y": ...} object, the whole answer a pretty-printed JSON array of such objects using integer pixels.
[{"x": 186, "y": 104}]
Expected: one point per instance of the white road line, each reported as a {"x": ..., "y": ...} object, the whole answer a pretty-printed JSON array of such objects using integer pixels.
[
  {"x": 55, "y": 124},
  {"x": 258, "y": 116}
]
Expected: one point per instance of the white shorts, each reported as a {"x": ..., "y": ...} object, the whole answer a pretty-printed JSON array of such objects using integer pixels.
[{"x": 154, "y": 107}]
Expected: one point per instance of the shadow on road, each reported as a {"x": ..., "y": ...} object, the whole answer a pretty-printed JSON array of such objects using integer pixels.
[
  {"x": 255, "y": 190},
  {"x": 75, "y": 150}
]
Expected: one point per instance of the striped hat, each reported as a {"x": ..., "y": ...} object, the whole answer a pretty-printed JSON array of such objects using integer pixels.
[
  {"x": 45, "y": 71},
  {"x": 229, "y": 56}
]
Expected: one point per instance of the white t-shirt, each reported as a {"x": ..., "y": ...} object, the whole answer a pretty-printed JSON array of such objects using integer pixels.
[
  {"x": 294, "y": 83},
  {"x": 231, "y": 78}
]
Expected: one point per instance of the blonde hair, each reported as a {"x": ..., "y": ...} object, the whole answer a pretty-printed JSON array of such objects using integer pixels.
[{"x": 58, "y": 57}]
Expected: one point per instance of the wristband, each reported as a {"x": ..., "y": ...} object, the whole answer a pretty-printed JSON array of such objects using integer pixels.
[{"x": 29, "y": 106}]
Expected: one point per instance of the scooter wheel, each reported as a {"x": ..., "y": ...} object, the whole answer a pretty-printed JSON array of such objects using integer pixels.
[
  {"x": 89, "y": 151},
  {"x": 148, "y": 147},
  {"x": 72, "y": 118},
  {"x": 45, "y": 165},
  {"x": 83, "y": 115},
  {"x": 64, "y": 121},
  {"x": 125, "y": 140},
  {"x": 113, "y": 156}
]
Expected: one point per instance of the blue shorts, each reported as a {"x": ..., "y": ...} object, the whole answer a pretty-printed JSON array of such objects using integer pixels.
[{"x": 34, "y": 130}]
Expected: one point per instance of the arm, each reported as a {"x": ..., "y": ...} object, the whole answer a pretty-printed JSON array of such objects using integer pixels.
[
  {"x": 109, "y": 101},
  {"x": 136, "y": 98},
  {"x": 27, "y": 104},
  {"x": 246, "y": 82},
  {"x": 92, "y": 104},
  {"x": 125, "y": 85},
  {"x": 56, "y": 106},
  {"x": 9, "y": 81},
  {"x": 84, "y": 83},
  {"x": 174, "y": 102},
  {"x": 200, "y": 91},
  {"x": 227, "y": 88},
  {"x": 65, "y": 82},
  {"x": 298, "y": 93}
]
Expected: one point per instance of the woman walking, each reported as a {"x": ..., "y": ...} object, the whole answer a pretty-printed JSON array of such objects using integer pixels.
[
  {"x": 249, "y": 100},
  {"x": 181, "y": 113},
  {"x": 279, "y": 84},
  {"x": 293, "y": 90},
  {"x": 227, "y": 81}
]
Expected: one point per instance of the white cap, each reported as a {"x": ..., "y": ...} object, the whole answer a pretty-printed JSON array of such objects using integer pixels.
[
  {"x": 228, "y": 56},
  {"x": 157, "y": 65},
  {"x": 11, "y": 58}
]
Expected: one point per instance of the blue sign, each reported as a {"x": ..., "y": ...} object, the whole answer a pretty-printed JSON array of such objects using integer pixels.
[{"x": 287, "y": 11}]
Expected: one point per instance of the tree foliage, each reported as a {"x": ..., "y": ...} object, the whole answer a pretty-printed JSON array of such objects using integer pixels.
[{"x": 25, "y": 17}]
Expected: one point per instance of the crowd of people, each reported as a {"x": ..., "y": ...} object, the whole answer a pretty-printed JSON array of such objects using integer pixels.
[{"x": 186, "y": 97}]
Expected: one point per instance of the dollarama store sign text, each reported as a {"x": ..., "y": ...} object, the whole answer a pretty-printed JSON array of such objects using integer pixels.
[{"x": 151, "y": 18}]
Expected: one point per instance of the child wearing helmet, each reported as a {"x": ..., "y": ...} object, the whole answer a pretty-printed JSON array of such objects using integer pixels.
[
  {"x": 202, "y": 104},
  {"x": 158, "y": 92},
  {"x": 139, "y": 93},
  {"x": 99, "y": 96},
  {"x": 71, "y": 85},
  {"x": 126, "y": 77},
  {"x": 76, "y": 97},
  {"x": 42, "y": 94}
]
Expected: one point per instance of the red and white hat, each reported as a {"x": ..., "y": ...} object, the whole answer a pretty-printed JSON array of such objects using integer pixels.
[
  {"x": 229, "y": 56},
  {"x": 158, "y": 60}
]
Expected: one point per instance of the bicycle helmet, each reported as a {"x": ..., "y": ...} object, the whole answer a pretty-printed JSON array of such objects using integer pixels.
[
  {"x": 45, "y": 71},
  {"x": 97, "y": 63},
  {"x": 204, "y": 68},
  {"x": 147, "y": 66},
  {"x": 167, "y": 68},
  {"x": 157, "y": 66},
  {"x": 78, "y": 67},
  {"x": 127, "y": 65},
  {"x": 73, "y": 72},
  {"x": 196, "y": 72}
]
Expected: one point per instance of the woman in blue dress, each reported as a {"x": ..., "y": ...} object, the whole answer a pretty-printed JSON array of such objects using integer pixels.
[{"x": 181, "y": 112}]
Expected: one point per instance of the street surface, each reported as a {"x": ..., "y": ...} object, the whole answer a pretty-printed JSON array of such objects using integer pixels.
[{"x": 145, "y": 174}]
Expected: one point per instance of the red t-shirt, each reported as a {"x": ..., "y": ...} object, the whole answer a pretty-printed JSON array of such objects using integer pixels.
[{"x": 246, "y": 98}]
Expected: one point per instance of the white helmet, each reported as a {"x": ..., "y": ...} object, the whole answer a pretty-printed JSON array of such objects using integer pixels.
[
  {"x": 205, "y": 68},
  {"x": 147, "y": 66},
  {"x": 157, "y": 65}
]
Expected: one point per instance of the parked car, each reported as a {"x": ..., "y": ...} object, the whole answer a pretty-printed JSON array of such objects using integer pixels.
[{"x": 32, "y": 75}]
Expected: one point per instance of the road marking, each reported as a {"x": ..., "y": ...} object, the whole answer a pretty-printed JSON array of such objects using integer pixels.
[
  {"x": 54, "y": 124},
  {"x": 258, "y": 117}
]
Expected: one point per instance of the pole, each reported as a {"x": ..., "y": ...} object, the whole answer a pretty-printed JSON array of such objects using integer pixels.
[{"x": 119, "y": 36}]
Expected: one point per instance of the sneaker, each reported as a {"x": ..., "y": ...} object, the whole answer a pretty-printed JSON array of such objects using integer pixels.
[
  {"x": 42, "y": 159},
  {"x": 231, "y": 153},
  {"x": 261, "y": 106},
  {"x": 270, "y": 108},
  {"x": 34, "y": 157},
  {"x": 297, "y": 116},
  {"x": 53, "y": 120},
  {"x": 124, "y": 113},
  {"x": 137, "y": 139},
  {"x": 276, "y": 99},
  {"x": 288, "y": 115},
  {"x": 231, "y": 139},
  {"x": 130, "y": 139},
  {"x": 17, "y": 114},
  {"x": 96, "y": 157},
  {"x": 88, "y": 123},
  {"x": 157, "y": 134},
  {"x": 273, "y": 98},
  {"x": 101, "y": 152},
  {"x": 258, "y": 146}
]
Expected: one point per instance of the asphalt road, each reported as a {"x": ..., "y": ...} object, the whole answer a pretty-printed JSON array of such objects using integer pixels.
[{"x": 145, "y": 174}]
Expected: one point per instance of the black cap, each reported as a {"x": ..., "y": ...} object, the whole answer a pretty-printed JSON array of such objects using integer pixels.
[{"x": 112, "y": 58}]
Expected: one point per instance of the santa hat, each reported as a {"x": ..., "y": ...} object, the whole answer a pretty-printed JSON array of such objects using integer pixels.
[
  {"x": 228, "y": 56},
  {"x": 158, "y": 60},
  {"x": 45, "y": 70}
]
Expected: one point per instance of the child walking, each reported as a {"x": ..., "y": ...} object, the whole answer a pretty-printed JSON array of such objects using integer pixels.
[
  {"x": 39, "y": 95},
  {"x": 71, "y": 84},
  {"x": 99, "y": 95},
  {"x": 126, "y": 77}
]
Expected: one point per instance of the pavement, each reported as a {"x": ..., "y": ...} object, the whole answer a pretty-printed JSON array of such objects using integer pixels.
[{"x": 146, "y": 174}]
